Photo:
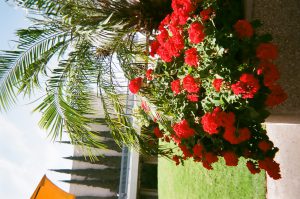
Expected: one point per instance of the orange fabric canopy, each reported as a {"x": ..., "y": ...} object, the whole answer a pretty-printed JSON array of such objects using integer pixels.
[{"x": 47, "y": 190}]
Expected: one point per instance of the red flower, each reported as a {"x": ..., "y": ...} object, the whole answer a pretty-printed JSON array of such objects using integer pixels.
[
  {"x": 228, "y": 119},
  {"x": 248, "y": 86},
  {"x": 192, "y": 97},
  {"x": 231, "y": 158},
  {"x": 191, "y": 57},
  {"x": 175, "y": 86},
  {"x": 164, "y": 54},
  {"x": 158, "y": 133},
  {"x": 190, "y": 85},
  {"x": 252, "y": 167},
  {"x": 149, "y": 74},
  {"x": 217, "y": 83},
  {"x": 212, "y": 121},
  {"x": 198, "y": 150},
  {"x": 182, "y": 8},
  {"x": 196, "y": 33},
  {"x": 183, "y": 130},
  {"x": 176, "y": 160},
  {"x": 135, "y": 85},
  {"x": 206, "y": 14},
  {"x": 271, "y": 167},
  {"x": 270, "y": 72},
  {"x": 276, "y": 97},
  {"x": 154, "y": 46},
  {"x": 265, "y": 145},
  {"x": 210, "y": 158},
  {"x": 243, "y": 29},
  {"x": 186, "y": 152},
  {"x": 234, "y": 137},
  {"x": 267, "y": 51}
]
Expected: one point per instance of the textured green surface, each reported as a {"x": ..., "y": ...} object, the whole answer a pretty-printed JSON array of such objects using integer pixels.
[{"x": 192, "y": 181}]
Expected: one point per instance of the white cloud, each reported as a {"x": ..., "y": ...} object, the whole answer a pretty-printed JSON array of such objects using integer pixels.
[{"x": 26, "y": 155}]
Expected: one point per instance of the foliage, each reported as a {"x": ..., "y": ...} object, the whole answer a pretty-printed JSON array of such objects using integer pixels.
[{"x": 210, "y": 85}]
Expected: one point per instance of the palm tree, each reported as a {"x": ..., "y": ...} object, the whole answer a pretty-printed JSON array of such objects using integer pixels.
[{"x": 91, "y": 40}]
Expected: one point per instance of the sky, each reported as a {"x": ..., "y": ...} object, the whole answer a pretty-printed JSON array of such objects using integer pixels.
[{"x": 26, "y": 153}]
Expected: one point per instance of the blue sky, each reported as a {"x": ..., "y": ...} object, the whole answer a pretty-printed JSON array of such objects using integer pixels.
[{"x": 26, "y": 153}]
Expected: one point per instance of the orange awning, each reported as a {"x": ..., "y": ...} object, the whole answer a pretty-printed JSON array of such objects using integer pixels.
[{"x": 47, "y": 190}]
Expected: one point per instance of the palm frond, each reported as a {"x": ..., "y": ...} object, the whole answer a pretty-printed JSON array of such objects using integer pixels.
[{"x": 17, "y": 66}]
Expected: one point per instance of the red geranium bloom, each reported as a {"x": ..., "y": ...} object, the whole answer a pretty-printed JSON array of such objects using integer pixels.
[
  {"x": 175, "y": 86},
  {"x": 231, "y": 158},
  {"x": 252, "y": 167},
  {"x": 149, "y": 74},
  {"x": 265, "y": 145},
  {"x": 193, "y": 97},
  {"x": 206, "y": 14},
  {"x": 196, "y": 33},
  {"x": 276, "y": 97},
  {"x": 190, "y": 85},
  {"x": 243, "y": 29},
  {"x": 212, "y": 121},
  {"x": 271, "y": 167},
  {"x": 186, "y": 152},
  {"x": 191, "y": 57},
  {"x": 135, "y": 85},
  {"x": 217, "y": 83},
  {"x": 198, "y": 150},
  {"x": 158, "y": 133},
  {"x": 154, "y": 46},
  {"x": 269, "y": 71},
  {"x": 183, "y": 130},
  {"x": 182, "y": 8},
  {"x": 247, "y": 86},
  {"x": 234, "y": 137},
  {"x": 267, "y": 51},
  {"x": 210, "y": 157}
]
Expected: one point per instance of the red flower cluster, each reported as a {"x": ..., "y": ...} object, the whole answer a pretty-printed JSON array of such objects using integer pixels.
[
  {"x": 266, "y": 51},
  {"x": 271, "y": 167},
  {"x": 237, "y": 137},
  {"x": 269, "y": 71},
  {"x": 193, "y": 97},
  {"x": 265, "y": 145},
  {"x": 169, "y": 46},
  {"x": 206, "y": 14},
  {"x": 183, "y": 130},
  {"x": 277, "y": 96},
  {"x": 182, "y": 9},
  {"x": 231, "y": 158},
  {"x": 243, "y": 29},
  {"x": 196, "y": 33},
  {"x": 190, "y": 84},
  {"x": 248, "y": 86},
  {"x": 135, "y": 85},
  {"x": 175, "y": 86},
  {"x": 211, "y": 122},
  {"x": 217, "y": 83},
  {"x": 191, "y": 57}
]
